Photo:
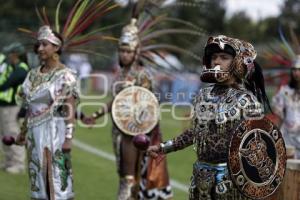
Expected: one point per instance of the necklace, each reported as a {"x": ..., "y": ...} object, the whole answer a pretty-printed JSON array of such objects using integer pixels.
[{"x": 38, "y": 78}]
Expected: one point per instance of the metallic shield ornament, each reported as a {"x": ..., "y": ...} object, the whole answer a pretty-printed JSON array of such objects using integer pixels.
[
  {"x": 135, "y": 110},
  {"x": 257, "y": 158}
]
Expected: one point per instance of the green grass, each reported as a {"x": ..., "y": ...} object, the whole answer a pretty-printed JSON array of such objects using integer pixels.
[{"x": 95, "y": 178}]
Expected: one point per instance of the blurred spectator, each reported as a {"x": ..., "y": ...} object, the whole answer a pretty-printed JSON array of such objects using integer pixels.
[
  {"x": 13, "y": 73},
  {"x": 80, "y": 63},
  {"x": 286, "y": 104}
]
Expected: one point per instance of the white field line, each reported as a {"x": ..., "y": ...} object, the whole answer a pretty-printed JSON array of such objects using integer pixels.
[{"x": 111, "y": 157}]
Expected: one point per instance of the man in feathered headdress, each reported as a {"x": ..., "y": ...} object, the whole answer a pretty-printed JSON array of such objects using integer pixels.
[
  {"x": 140, "y": 177},
  {"x": 285, "y": 103},
  {"x": 136, "y": 47}
]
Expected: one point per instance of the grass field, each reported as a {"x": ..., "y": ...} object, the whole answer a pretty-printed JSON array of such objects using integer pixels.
[{"x": 95, "y": 177}]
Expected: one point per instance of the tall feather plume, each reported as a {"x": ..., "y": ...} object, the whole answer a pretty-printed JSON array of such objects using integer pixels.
[
  {"x": 70, "y": 16},
  {"x": 285, "y": 42},
  {"x": 285, "y": 51},
  {"x": 282, "y": 53},
  {"x": 81, "y": 15},
  {"x": 57, "y": 25},
  {"x": 277, "y": 53},
  {"x": 136, "y": 8},
  {"x": 150, "y": 24},
  {"x": 295, "y": 41},
  {"x": 89, "y": 19},
  {"x": 45, "y": 16},
  {"x": 170, "y": 48}
]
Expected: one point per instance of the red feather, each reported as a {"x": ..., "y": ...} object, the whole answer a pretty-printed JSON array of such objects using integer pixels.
[
  {"x": 45, "y": 17},
  {"x": 70, "y": 16},
  {"x": 81, "y": 27}
]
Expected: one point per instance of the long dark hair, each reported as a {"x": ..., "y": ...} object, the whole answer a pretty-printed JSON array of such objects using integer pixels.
[
  {"x": 256, "y": 84},
  {"x": 59, "y": 52}
]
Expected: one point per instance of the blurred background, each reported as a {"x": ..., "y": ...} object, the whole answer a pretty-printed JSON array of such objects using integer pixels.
[{"x": 256, "y": 21}]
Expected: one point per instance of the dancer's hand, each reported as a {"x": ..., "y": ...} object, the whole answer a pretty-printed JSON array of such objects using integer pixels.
[
  {"x": 67, "y": 145},
  {"x": 154, "y": 151},
  {"x": 20, "y": 140}
]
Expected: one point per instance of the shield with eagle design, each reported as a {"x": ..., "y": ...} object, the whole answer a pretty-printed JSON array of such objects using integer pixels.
[
  {"x": 257, "y": 158},
  {"x": 135, "y": 110}
]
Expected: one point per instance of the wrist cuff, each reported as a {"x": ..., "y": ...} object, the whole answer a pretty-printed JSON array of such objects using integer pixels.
[
  {"x": 167, "y": 146},
  {"x": 69, "y": 131}
]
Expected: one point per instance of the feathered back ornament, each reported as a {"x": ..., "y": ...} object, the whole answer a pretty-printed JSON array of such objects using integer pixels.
[
  {"x": 146, "y": 29},
  {"x": 74, "y": 29},
  {"x": 284, "y": 53}
]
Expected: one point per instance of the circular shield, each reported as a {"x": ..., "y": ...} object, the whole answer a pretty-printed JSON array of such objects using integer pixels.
[
  {"x": 135, "y": 110},
  {"x": 257, "y": 158}
]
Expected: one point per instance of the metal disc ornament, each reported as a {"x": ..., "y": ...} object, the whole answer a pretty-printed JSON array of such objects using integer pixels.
[{"x": 135, "y": 110}]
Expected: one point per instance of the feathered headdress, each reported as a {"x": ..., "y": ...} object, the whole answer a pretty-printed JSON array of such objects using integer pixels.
[
  {"x": 284, "y": 53},
  {"x": 145, "y": 30},
  {"x": 80, "y": 17}
]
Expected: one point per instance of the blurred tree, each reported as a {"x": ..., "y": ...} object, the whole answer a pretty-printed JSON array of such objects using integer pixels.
[
  {"x": 290, "y": 14},
  {"x": 241, "y": 26},
  {"x": 15, "y": 14},
  {"x": 206, "y": 14},
  {"x": 267, "y": 30}
]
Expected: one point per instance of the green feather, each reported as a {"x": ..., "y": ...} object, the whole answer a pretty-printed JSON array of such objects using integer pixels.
[
  {"x": 77, "y": 16},
  {"x": 57, "y": 16}
]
